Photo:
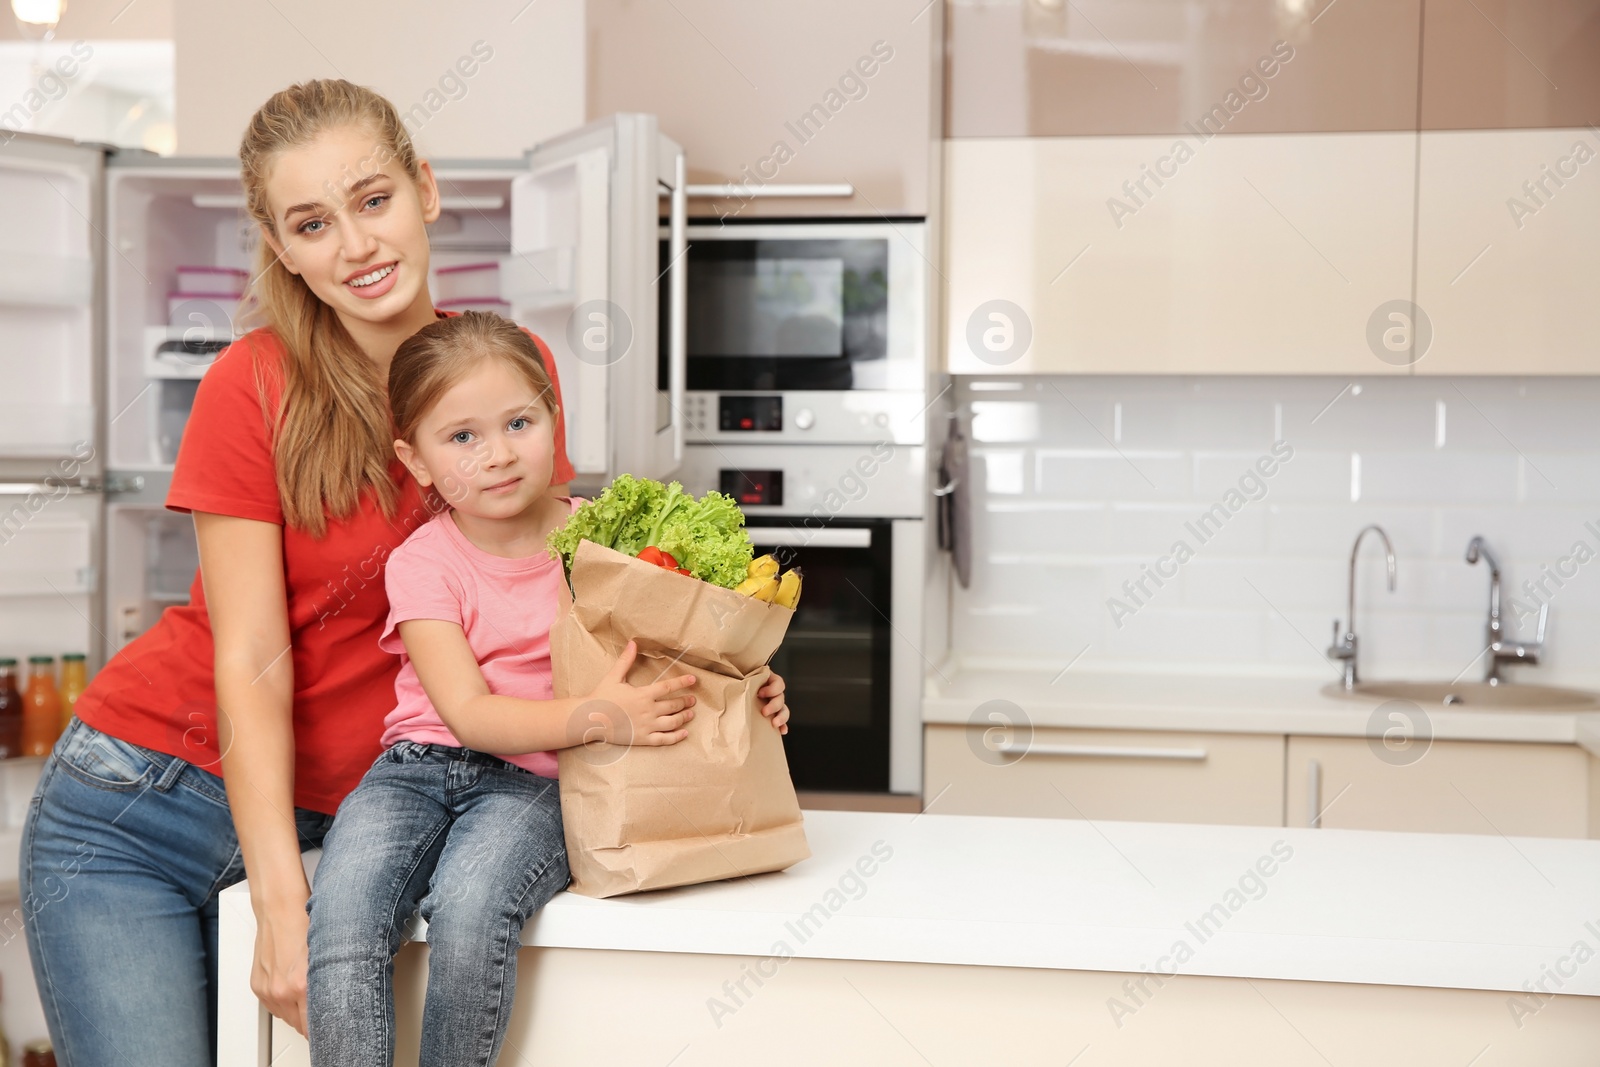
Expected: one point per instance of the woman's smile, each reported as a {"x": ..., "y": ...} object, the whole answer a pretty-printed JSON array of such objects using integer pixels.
[{"x": 373, "y": 282}]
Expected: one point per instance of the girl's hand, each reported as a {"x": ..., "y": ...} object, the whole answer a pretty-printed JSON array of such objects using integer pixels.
[
  {"x": 775, "y": 708},
  {"x": 278, "y": 976},
  {"x": 651, "y": 714}
]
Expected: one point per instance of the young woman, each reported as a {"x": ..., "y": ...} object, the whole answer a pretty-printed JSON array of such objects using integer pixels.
[{"x": 265, "y": 696}]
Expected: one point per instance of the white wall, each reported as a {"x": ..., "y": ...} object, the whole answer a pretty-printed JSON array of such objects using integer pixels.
[
  {"x": 233, "y": 54},
  {"x": 1082, "y": 482}
]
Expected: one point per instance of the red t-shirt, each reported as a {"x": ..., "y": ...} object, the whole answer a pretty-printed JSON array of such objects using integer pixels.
[{"x": 159, "y": 691}]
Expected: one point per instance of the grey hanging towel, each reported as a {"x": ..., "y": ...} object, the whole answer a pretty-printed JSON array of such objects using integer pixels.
[{"x": 954, "y": 497}]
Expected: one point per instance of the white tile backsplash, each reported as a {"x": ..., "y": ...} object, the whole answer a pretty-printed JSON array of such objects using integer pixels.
[{"x": 1088, "y": 483}]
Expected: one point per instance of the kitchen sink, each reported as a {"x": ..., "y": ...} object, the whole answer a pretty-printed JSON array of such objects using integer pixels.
[{"x": 1471, "y": 695}]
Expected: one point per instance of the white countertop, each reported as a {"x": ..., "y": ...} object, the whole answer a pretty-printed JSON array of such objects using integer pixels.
[
  {"x": 1222, "y": 704},
  {"x": 1432, "y": 910}
]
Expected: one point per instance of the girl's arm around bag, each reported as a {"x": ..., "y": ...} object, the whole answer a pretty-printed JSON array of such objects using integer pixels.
[{"x": 615, "y": 712}]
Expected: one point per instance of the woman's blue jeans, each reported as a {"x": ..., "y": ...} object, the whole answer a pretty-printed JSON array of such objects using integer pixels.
[
  {"x": 123, "y": 855},
  {"x": 474, "y": 843}
]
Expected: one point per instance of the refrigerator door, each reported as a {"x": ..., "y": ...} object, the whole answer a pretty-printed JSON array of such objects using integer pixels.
[
  {"x": 50, "y": 454},
  {"x": 584, "y": 274},
  {"x": 49, "y": 324}
]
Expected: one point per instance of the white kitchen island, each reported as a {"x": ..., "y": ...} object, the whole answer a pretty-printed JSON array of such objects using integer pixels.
[{"x": 947, "y": 939}]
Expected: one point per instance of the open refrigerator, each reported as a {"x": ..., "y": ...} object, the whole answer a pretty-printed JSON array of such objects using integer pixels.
[{"x": 100, "y": 354}]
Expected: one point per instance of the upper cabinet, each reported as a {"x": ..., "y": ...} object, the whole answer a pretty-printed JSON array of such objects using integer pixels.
[
  {"x": 1175, "y": 255},
  {"x": 1048, "y": 68},
  {"x": 1510, "y": 64},
  {"x": 1508, "y": 190},
  {"x": 1508, "y": 250},
  {"x": 1272, "y": 186},
  {"x": 831, "y": 92}
]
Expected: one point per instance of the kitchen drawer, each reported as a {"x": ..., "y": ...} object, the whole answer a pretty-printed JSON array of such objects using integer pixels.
[
  {"x": 1139, "y": 775},
  {"x": 1455, "y": 787}
]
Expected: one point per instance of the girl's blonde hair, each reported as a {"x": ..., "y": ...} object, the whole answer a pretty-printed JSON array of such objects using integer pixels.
[
  {"x": 332, "y": 433},
  {"x": 432, "y": 360}
]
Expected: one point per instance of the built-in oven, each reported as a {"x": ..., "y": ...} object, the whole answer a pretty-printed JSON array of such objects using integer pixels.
[{"x": 849, "y": 517}]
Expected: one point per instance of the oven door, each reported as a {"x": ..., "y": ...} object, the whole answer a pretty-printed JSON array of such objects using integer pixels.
[{"x": 835, "y": 657}]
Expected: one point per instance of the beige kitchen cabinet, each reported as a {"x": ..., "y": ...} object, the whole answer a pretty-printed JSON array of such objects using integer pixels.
[
  {"x": 1508, "y": 250},
  {"x": 827, "y": 92},
  {"x": 1162, "y": 255},
  {"x": 1148, "y": 776},
  {"x": 1464, "y": 787},
  {"x": 1020, "y": 68},
  {"x": 1493, "y": 64}
]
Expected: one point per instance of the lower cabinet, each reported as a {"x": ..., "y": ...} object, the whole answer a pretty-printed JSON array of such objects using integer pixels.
[
  {"x": 1456, "y": 787},
  {"x": 1140, "y": 775},
  {"x": 1453, "y": 787}
]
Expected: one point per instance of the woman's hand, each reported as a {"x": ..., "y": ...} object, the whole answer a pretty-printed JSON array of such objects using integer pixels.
[
  {"x": 775, "y": 708},
  {"x": 278, "y": 976}
]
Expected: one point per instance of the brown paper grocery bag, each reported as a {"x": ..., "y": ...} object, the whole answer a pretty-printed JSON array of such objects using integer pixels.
[{"x": 718, "y": 804}]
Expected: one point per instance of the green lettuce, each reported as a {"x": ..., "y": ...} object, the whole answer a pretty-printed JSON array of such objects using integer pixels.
[{"x": 706, "y": 536}]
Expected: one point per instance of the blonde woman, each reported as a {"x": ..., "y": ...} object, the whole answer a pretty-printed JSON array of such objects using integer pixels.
[{"x": 153, "y": 802}]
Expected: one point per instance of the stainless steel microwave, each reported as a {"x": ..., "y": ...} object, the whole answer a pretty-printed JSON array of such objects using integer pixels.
[{"x": 803, "y": 330}]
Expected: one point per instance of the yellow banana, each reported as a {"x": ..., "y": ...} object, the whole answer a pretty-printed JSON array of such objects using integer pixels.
[
  {"x": 749, "y": 586},
  {"x": 768, "y": 590},
  {"x": 788, "y": 589},
  {"x": 764, "y": 566}
]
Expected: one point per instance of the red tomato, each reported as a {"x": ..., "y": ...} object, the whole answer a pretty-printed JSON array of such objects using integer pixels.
[
  {"x": 685, "y": 571},
  {"x": 652, "y": 555},
  {"x": 668, "y": 561}
]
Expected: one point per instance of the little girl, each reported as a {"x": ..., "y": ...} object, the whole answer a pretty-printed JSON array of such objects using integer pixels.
[{"x": 474, "y": 840}]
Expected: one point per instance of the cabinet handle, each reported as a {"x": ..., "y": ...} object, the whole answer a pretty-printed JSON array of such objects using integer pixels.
[
  {"x": 678, "y": 298},
  {"x": 756, "y": 192},
  {"x": 1314, "y": 794},
  {"x": 1102, "y": 751}
]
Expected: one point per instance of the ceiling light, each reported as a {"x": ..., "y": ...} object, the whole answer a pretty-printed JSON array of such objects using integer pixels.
[{"x": 39, "y": 12}]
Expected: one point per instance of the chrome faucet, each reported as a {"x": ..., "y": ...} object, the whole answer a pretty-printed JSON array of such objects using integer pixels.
[
  {"x": 1344, "y": 645},
  {"x": 1500, "y": 651}
]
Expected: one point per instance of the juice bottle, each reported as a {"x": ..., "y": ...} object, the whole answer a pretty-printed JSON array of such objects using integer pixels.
[
  {"x": 10, "y": 711},
  {"x": 74, "y": 680},
  {"x": 41, "y": 707}
]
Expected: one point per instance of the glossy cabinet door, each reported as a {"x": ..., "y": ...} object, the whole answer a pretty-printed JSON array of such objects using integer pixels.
[
  {"x": 1453, "y": 787},
  {"x": 1046, "y": 68},
  {"x": 1510, "y": 64},
  {"x": 1140, "y": 775},
  {"x": 826, "y": 92},
  {"x": 1508, "y": 250},
  {"x": 1162, "y": 255}
]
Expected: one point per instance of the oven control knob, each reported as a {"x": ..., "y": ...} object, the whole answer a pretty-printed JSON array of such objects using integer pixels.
[{"x": 804, "y": 419}]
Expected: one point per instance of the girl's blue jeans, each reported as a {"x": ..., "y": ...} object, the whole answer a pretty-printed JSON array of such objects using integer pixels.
[{"x": 472, "y": 842}]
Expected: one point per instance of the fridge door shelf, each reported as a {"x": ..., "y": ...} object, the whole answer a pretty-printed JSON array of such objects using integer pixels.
[
  {"x": 50, "y": 281},
  {"x": 538, "y": 280}
]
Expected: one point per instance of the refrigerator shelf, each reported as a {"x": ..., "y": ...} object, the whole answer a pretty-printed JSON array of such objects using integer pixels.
[{"x": 182, "y": 364}]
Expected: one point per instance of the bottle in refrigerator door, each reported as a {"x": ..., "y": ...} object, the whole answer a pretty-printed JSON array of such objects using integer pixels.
[
  {"x": 41, "y": 707},
  {"x": 10, "y": 710},
  {"x": 74, "y": 680}
]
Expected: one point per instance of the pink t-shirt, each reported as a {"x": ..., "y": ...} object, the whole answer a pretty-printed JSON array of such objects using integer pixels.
[{"x": 506, "y": 608}]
